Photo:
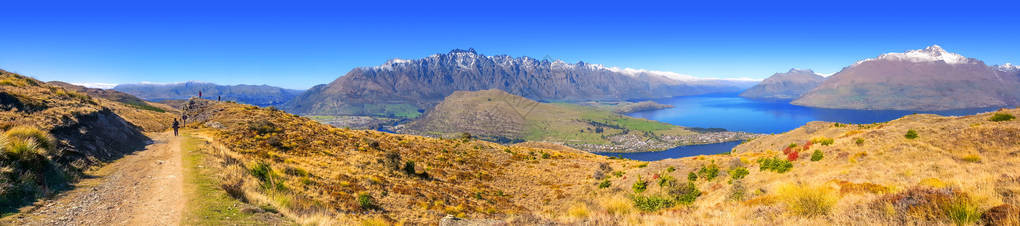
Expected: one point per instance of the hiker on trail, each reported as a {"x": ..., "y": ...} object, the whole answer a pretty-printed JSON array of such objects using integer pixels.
[
  {"x": 199, "y": 94},
  {"x": 217, "y": 98},
  {"x": 184, "y": 119},
  {"x": 176, "y": 126}
]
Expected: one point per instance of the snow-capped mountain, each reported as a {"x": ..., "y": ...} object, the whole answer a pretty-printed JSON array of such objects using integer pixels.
[
  {"x": 789, "y": 85},
  {"x": 420, "y": 83},
  {"x": 925, "y": 79}
]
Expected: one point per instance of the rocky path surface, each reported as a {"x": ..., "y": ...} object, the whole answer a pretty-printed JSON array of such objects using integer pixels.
[{"x": 144, "y": 188}]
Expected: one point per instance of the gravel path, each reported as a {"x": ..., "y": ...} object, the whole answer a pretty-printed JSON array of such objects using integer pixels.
[{"x": 144, "y": 188}]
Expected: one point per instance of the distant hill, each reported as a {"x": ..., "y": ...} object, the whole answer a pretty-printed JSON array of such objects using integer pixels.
[
  {"x": 406, "y": 87},
  {"x": 926, "y": 79},
  {"x": 789, "y": 85},
  {"x": 499, "y": 116},
  {"x": 259, "y": 95}
]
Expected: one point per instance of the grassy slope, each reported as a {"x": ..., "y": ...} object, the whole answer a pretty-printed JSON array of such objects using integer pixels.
[
  {"x": 317, "y": 173},
  {"x": 208, "y": 204},
  {"x": 496, "y": 113},
  {"x": 969, "y": 163}
]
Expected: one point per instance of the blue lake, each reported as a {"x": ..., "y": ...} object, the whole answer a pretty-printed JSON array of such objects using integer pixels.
[{"x": 734, "y": 113}]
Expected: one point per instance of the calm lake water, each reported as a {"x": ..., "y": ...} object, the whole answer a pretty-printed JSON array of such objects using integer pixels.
[{"x": 734, "y": 113}]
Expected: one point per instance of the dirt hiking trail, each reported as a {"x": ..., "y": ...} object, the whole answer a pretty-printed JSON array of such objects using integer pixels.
[{"x": 143, "y": 188}]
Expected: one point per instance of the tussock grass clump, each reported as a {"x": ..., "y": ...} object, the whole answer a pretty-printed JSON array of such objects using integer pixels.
[
  {"x": 930, "y": 204},
  {"x": 26, "y": 172},
  {"x": 974, "y": 158},
  {"x": 824, "y": 141},
  {"x": 617, "y": 205},
  {"x": 579, "y": 211},
  {"x": 806, "y": 200},
  {"x": 1001, "y": 117}
]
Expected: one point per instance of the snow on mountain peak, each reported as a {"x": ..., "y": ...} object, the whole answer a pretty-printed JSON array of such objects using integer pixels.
[
  {"x": 933, "y": 53},
  {"x": 1008, "y": 67}
]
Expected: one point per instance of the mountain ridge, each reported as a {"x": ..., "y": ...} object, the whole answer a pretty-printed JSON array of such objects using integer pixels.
[
  {"x": 926, "y": 79},
  {"x": 260, "y": 95},
  {"x": 788, "y": 85},
  {"x": 420, "y": 83}
]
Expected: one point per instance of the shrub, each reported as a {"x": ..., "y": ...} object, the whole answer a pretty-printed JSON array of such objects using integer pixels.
[
  {"x": 642, "y": 165},
  {"x": 738, "y": 173},
  {"x": 545, "y": 155},
  {"x": 618, "y": 173},
  {"x": 709, "y": 172},
  {"x": 911, "y": 134},
  {"x": 268, "y": 178},
  {"x": 692, "y": 176},
  {"x": 793, "y": 156},
  {"x": 652, "y": 203},
  {"x": 817, "y": 155},
  {"x": 808, "y": 201},
  {"x": 737, "y": 192},
  {"x": 685, "y": 194},
  {"x": 640, "y": 185},
  {"x": 604, "y": 184},
  {"x": 666, "y": 180},
  {"x": 824, "y": 141},
  {"x": 999, "y": 117},
  {"x": 409, "y": 167},
  {"x": 366, "y": 202},
  {"x": 775, "y": 165},
  {"x": 670, "y": 169},
  {"x": 859, "y": 141}
]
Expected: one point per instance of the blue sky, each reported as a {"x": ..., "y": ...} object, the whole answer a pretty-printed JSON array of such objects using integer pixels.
[{"x": 298, "y": 44}]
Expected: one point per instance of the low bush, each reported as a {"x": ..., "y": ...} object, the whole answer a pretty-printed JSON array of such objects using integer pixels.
[
  {"x": 709, "y": 172},
  {"x": 859, "y": 141},
  {"x": 692, "y": 176},
  {"x": 808, "y": 201},
  {"x": 944, "y": 204},
  {"x": 1000, "y": 117},
  {"x": 640, "y": 185},
  {"x": 604, "y": 184},
  {"x": 817, "y": 155},
  {"x": 824, "y": 141},
  {"x": 666, "y": 180},
  {"x": 652, "y": 203},
  {"x": 366, "y": 202},
  {"x": 792, "y": 156},
  {"x": 670, "y": 169},
  {"x": 775, "y": 165},
  {"x": 738, "y": 173},
  {"x": 42, "y": 139},
  {"x": 911, "y": 134}
]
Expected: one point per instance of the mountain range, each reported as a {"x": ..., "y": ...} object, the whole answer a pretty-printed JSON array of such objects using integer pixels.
[
  {"x": 789, "y": 85},
  {"x": 259, "y": 95},
  {"x": 400, "y": 86},
  {"x": 925, "y": 79}
]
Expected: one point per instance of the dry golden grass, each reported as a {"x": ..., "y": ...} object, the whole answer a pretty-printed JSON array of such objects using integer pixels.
[
  {"x": 313, "y": 170},
  {"x": 320, "y": 172}
]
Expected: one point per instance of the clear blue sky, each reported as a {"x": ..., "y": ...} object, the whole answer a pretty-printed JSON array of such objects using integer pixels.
[{"x": 298, "y": 44}]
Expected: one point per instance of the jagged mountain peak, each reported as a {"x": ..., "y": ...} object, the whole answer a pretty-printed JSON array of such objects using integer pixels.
[{"x": 1007, "y": 67}]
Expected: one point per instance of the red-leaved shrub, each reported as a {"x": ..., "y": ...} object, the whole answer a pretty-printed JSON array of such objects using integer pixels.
[{"x": 792, "y": 156}]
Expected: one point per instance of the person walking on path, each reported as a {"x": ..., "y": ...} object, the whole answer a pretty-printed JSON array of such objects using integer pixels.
[
  {"x": 176, "y": 126},
  {"x": 199, "y": 94},
  {"x": 184, "y": 119}
]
